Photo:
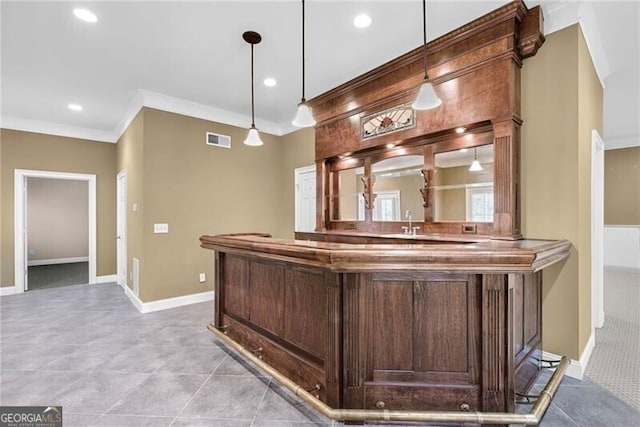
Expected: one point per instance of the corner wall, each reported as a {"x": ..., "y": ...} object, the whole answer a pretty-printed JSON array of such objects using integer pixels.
[
  {"x": 561, "y": 104},
  {"x": 175, "y": 178},
  {"x": 26, "y": 150}
]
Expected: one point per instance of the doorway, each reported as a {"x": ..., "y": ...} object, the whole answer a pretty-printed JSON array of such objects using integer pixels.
[
  {"x": 597, "y": 231},
  {"x": 121, "y": 224},
  {"x": 305, "y": 198},
  {"x": 50, "y": 245}
]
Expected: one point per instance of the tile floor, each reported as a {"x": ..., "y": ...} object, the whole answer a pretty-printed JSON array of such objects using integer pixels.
[{"x": 88, "y": 349}]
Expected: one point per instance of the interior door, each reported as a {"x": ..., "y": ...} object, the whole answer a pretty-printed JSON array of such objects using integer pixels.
[
  {"x": 26, "y": 235},
  {"x": 305, "y": 198},
  {"x": 122, "y": 228}
]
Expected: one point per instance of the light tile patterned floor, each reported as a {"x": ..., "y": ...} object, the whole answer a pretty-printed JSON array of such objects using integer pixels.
[
  {"x": 88, "y": 349},
  {"x": 615, "y": 361}
]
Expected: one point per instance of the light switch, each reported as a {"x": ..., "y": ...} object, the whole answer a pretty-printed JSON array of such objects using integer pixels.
[
  {"x": 203, "y": 277},
  {"x": 160, "y": 228}
]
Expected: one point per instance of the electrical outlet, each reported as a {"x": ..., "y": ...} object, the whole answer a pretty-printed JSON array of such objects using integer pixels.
[
  {"x": 203, "y": 277},
  {"x": 160, "y": 228}
]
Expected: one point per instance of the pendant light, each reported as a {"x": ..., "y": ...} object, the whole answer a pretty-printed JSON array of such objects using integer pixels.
[
  {"x": 427, "y": 97},
  {"x": 253, "y": 138},
  {"x": 304, "y": 116},
  {"x": 475, "y": 165}
]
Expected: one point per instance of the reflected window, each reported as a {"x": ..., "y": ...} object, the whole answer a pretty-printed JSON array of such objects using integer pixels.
[
  {"x": 386, "y": 206},
  {"x": 480, "y": 204}
]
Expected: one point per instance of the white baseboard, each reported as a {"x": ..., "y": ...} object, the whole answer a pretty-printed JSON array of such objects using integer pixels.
[
  {"x": 623, "y": 269},
  {"x": 576, "y": 367},
  {"x": 107, "y": 279},
  {"x": 34, "y": 262},
  {"x": 7, "y": 290},
  {"x": 164, "y": 304}
]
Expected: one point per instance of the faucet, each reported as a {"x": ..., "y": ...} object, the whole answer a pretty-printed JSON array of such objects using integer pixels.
[{"x": 411, "y": 231}]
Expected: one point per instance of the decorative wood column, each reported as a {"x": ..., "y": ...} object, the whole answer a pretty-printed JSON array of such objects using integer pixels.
[
  {"x": 496, "y": 395},
  {"x": 506, "y": 220}
]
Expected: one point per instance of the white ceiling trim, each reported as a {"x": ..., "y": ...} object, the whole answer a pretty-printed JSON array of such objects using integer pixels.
[
  {"x": 26, "y": 125},
  {"x": 557, "y": 16},
  {"x": 205, "y": 112},
  {"x": 626, "y": 142},
  {"x": 593, "y": 38}
]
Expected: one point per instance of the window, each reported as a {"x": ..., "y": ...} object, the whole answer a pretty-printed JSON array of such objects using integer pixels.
[
  {"x": 480, "y": 203},
  {"x": 386, "y": 206}
]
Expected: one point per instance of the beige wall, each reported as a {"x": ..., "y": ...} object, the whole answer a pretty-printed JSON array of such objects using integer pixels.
[
  {"x": 26, "y": 150},
  {"x": 451, "y": 204},
  {"x": 561, "y": 104},
  {"x": 297, "y": 150},
  {"x": 175, "y": 178},
  {"x": 57, "y": 219},
  {"x": 622, "y": 186},
  {"x": 130, "y": 159}
]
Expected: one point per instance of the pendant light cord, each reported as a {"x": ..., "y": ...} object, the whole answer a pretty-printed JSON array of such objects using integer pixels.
[
  {"x": 253, "y": 121},
  {"x": 303, "y": 99},
  {"x": 424, "y": 28}
]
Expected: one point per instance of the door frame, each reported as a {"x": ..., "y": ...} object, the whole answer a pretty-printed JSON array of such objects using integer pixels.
[
  {"x": 298, "y": 172},
  {"x": 20, "y": 209},
  {"x": 597, "y": 230},
  {"x": 121, "y": 220}
]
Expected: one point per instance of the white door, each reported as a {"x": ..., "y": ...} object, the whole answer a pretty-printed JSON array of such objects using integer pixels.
[
  {"x": 121, "y": 226},
  {"x": 305, "y": 198},
  {"x": 597, "y": 230},
  {"x": 26, "y": 235}
]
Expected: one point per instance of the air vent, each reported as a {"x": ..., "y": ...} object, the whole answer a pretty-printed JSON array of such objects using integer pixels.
[{"x": 218, "y": 140}]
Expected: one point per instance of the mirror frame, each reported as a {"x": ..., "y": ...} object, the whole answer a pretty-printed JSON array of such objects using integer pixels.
[{"x": 425, "y": 146}]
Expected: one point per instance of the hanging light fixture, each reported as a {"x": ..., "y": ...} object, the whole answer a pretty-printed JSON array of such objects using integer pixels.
[
  {"x": 427, "y": 97},
  {"x": 253, "y": 138},
  {"x": 475, "y": 165},
  {"x": 304, "y": 116}
]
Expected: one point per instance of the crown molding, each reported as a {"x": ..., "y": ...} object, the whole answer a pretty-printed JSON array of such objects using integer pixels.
[
  {"x": 48, "y": 128},
  {"x": 205, "y": 112},
  {"x": 622, "y": 142}
]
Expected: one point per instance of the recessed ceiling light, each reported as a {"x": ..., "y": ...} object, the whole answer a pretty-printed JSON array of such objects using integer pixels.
[
  {"x": 390, "y": 145},
  {"x": 75, "y": 107},
  {"x": 362, "y": 21},
  {"x": 85, "y": 15},
  {"x": 270, "y": 82},
  {"x": 461, "y": 129}
]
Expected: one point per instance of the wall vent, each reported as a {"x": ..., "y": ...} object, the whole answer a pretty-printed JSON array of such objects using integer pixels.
[{"x": 218, "y": 140}]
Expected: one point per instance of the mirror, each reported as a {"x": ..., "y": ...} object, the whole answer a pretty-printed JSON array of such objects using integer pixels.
[
  {"x": 347, "y": 202},
  {"x": 397, "y": 185},
  {"x": 463, "y": 188}
]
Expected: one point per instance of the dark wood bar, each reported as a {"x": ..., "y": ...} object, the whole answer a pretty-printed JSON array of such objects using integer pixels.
[
  {"x": 446, "y": 326},
  {"x": 416, "y": 291}
]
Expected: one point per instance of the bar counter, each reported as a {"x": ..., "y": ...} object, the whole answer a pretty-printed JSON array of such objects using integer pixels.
[{"x": 429, "y": 324}]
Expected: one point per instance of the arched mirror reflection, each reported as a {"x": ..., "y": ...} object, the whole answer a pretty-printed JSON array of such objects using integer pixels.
[
  {"x": 396, "y": 186},
  {"x": 463, "y": 185}
]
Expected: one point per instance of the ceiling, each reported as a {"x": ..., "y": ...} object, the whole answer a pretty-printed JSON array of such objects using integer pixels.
[{"x": 190, "y": 57}]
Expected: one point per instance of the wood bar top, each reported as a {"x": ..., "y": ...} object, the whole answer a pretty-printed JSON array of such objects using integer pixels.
[{"x": 495, "y": 256}]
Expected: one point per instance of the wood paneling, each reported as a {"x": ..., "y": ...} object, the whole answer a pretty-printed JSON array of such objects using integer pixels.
[
  {"x": 390, "y": 326},
  {"x": 475, "y": 71},
  {"x": 305, "y": 310},
  {"x": 377, "y": 323},
  {"x": 266, "y": 292},
  {"x": 236, "y": 286},
  {"x": 443, "y": 332}
]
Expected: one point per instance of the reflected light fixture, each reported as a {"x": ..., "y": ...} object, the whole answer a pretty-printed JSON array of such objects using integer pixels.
[
  {"x": 475, "y": 165},
  {"x": 304, "y": 116},
  {"x": 461, "y": 129},
  {"x": 427, "y": 98},
  {"x": 253, "y": 138}
]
